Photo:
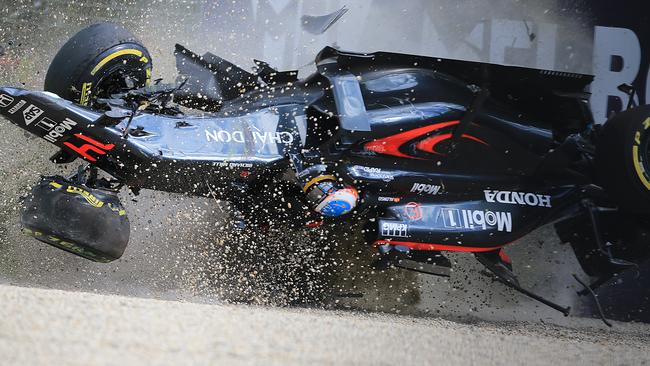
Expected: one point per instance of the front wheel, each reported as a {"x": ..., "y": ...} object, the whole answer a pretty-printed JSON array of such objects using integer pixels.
[
  {"x": 98, "y": 61},
  {"x": 90, "y": 223},
  {"x": 623, "y": 159}
]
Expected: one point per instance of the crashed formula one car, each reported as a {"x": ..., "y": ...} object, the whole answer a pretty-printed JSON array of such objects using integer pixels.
[{"x": 433, "y": 155}]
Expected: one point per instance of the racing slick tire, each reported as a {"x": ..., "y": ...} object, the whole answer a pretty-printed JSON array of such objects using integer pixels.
[
  {"x": 90, "y": 223},
  {"x": 623, "y": 159},
  {"x": 98, "y": 61}
]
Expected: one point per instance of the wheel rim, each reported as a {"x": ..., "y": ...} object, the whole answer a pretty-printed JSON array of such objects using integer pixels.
[{"x": 115, "y": 81}]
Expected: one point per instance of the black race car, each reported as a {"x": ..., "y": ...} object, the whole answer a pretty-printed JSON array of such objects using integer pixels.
[{"x": 432, "y": 154}]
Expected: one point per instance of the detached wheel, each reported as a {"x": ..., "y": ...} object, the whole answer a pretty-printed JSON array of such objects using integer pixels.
[
  {"x": 623, "y": 159},
  {"x": 90, "y": 223},
  {"x": 98, "y": 61}
]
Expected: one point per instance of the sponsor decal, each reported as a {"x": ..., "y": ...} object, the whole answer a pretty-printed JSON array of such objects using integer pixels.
[
  {"x": 46, "y": 124},
  {"x": 91, "y": 146},
  {"x": 394, "y": 229},
  {"x": 369, "y": 169},
  {"x": 413, "y": 211},
  {"x": 6, "y": 100},
  {"x": 31, "y": 113},
  {"x": 389, "y": 199},
  {"x": 373, "y": 173},
  {"x": 377, "y": 173},
  {"x": 17, "y": 107},
  {"x": 477, "y": 219},
  {"x": 117, "y": 209},
  {"x": 94, "y": 201},
  {"x": 231, "y": 164},
  {"x": 431, "y": 189},
  {"x": 264, "y": 137},
  {"x": 55, "y": 130},
  {"x": 518, "y": 198},
  {"x": 53, "y": 240}
]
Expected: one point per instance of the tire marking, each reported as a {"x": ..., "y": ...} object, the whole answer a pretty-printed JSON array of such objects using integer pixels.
[
  {"x": 114, "y": 55},
  {"x": 85, "y": 93},
  {"x": 639, "y": 169}
]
